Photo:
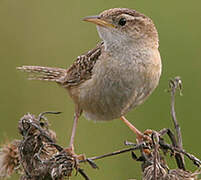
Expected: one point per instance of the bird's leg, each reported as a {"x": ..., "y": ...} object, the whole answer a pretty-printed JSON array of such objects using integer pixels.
[
  {"x": 139, "y": 134},
  {"x": 75, "y": 121},
  {"x": 70, "y": 149}
]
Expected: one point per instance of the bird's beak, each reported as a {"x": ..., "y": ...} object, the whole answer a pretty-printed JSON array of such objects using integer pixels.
[{"x": 98, "y": 21}]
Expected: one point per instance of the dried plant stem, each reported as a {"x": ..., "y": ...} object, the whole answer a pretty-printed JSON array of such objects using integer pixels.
[
  {"x": 175, "y": 84},
  {"x": 136, "y": 147}
]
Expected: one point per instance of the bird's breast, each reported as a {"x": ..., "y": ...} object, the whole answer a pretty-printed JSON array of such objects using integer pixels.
[{"x": 117, "y": 86}]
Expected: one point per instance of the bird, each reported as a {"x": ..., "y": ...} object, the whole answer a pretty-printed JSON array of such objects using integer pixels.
[{"x": 117, "y": 75}]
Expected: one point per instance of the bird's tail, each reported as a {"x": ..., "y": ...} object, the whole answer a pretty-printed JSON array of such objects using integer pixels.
[{"x": 44, "y": 73}]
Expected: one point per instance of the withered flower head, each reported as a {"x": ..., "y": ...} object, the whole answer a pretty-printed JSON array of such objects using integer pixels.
[{"x": 9, "y": 158}]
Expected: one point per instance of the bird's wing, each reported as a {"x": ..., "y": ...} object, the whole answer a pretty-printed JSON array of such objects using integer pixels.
[{"x": 81, "y": 69}]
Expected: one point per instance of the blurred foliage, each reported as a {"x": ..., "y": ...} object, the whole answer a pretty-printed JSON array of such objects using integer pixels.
[{"x": 51, "y": 33}]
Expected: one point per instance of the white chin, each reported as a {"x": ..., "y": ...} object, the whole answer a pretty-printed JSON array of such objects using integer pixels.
[{"x": 104, "y": 33}]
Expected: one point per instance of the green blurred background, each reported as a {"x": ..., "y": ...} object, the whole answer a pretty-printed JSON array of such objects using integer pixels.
[{"x": 51, "y": 33}]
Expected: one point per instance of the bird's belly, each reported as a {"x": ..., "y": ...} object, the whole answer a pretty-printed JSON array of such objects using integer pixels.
[
  {"x": 111, "y": 94},
  {"x": 113, "y": 103}
]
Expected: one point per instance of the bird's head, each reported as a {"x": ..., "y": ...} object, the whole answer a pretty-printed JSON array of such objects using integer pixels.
[{"x": 122, "y": 25}]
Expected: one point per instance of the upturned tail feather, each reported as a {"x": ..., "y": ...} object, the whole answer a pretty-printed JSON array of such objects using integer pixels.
[{"x": 44, "y": 73}]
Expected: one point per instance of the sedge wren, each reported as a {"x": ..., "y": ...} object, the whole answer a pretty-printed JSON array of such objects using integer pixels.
[{"x": 117, "y": 75}]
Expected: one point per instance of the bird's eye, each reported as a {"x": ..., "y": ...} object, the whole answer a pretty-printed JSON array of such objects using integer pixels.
[{"x": 122, "y": 22}]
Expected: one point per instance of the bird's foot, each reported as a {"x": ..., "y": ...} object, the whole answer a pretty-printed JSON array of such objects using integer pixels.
[
  {"x": 80, "y": 158},
  {"x": 77, "y": 158},
  {"x": 148, "y": 133}
]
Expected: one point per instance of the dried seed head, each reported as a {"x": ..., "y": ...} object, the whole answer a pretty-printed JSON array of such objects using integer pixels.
[{"x": 9, "y": 158}]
